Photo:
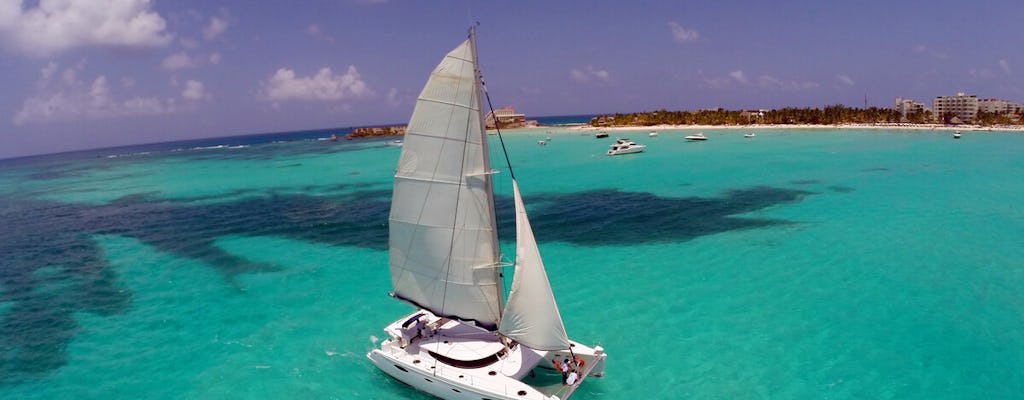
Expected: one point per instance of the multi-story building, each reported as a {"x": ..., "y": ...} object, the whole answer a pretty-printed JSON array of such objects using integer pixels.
[
  {"x": 507, "y": 116},
  {"x": 962, "y": 106},
  {"x": 908, "y": 106},
  {"x": 999, "y": 106}
]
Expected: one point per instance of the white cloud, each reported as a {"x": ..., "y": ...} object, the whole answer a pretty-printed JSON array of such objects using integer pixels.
[
  {"x": 64, "y": 97},
  {"x": 53, "y": 26},
  {"x": 179, "y": 60},
  {"x": 981, "y": 73},
  {"x": 1005, "y": 66},
  {"x": 316, "y": 31},
  {"x": 216, "y": 27},
  {"x": 738, "y": 76},
  {"x": 845, "y": 79},
  {"x": 922, "y": 49},
  {"x": 393, "y": 98},
  {"x": 324, "y": 86},
  {"x": 188, "y": 43},
  {"x": 771, "y": 82},
  {"x": 194, "y": 90},
  {"x": 682, "y": 35},
  {"x": 215, "y": 58},
  {"x": 591, "y": 73}
]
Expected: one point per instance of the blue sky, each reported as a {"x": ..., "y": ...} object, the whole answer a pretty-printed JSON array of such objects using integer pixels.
[{"x": 81, "y": 74}]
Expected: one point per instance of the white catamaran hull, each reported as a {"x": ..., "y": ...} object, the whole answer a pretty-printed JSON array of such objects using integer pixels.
[{"x": 408, "y": 355}]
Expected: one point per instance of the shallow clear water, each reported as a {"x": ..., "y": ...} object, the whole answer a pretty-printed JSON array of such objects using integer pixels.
[{"x": 797, "y": 264}]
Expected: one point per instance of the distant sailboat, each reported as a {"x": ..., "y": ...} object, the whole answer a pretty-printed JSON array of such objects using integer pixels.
[{"x": 466, "y": 340}]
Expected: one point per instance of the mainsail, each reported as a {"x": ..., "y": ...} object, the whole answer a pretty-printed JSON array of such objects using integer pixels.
[
  {"x": 443, "y": 242},
  {"x": 531, "y": 315}
]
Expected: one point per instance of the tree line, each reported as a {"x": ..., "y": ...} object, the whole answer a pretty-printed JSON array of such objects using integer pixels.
[{"x": 830, "y": 115}]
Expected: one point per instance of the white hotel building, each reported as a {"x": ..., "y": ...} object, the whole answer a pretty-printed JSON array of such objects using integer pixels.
[
  {"x": 963, "y": 106},
  {"x": 908, "y": 106}
]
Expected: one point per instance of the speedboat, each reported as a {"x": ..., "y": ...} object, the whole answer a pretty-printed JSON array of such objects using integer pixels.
[
  {"x": 697, "y": 136},
  {"x": 625, "y": 146},
  {"x": 542, "y": 143},
  {"x": 396, "y": 143},
  {"x": 653, "y": 134},
  {"x": 601, "y": 134},
  {"x": 956, "y": 135},
  {"x": 749, "y": 135}
]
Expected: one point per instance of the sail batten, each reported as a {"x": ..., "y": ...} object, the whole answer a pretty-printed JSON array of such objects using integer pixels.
[{"x": 442, "y": 224}]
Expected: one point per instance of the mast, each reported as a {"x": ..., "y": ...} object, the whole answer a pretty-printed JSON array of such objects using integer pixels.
[
  {"x": 443, "y": 250},
  {"x": 478, "y": 82}
]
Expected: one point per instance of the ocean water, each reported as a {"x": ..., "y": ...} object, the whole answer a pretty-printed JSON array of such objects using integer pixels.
[{"x": 800, "y": 264}]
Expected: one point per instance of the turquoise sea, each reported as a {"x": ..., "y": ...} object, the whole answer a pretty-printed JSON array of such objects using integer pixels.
[{"x": 800, "y": 264}]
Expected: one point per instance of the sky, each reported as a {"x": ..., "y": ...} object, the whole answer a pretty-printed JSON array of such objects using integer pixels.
[{"x": 78, "y": 74}]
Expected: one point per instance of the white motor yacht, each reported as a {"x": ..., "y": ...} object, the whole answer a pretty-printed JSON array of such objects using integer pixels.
[
  {"x": 697, "y": 136},
  {"x": 625, "y": 146}
]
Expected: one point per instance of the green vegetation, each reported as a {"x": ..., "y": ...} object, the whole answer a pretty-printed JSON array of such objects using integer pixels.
[
  {"x": 831, "y": 115},
  {"x": 835, "y": 114}
]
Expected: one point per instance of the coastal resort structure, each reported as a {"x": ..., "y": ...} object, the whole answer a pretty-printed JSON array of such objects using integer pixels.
[
  {"x": 507, "y": 117},
  {"x": 962, "y": 106}
]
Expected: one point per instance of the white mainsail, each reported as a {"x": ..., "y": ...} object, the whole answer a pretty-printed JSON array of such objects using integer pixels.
[
  {"x": 531, "y": 315},
  {"x": 443, "y": 241}
]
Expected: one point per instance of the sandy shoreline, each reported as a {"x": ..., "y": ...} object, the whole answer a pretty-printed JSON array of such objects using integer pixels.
[{"x": 962, "y": 128}]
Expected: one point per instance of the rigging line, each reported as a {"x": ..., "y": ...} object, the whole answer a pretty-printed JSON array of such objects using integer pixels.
[{"x": 497, "y": 126}]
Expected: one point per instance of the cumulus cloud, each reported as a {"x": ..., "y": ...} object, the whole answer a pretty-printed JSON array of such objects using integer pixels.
[
  {"x": 57, "y": 25},
  {"x": 590, "y": 74},
  {"x": 194, "y": 90},
  {"x": 215, "y": 27},
  {"x": 179, "y": 60},
  {"x": 682, "y": 35},
  {"x": 324, "y": 86},
  {"x": 845, "y": 79},
  {"x": 64, "y": 97}
]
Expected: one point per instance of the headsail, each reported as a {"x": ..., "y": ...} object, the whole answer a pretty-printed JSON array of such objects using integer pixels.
[
  {"x": 531, "y": 315},
  {"x": 443, "y": 242}
]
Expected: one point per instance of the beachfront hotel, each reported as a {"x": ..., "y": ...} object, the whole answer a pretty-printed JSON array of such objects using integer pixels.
[
  {"x": 999, "y": 106},
  {"x": 908, "y": 106},
  {"x": 962, "y": 106}
]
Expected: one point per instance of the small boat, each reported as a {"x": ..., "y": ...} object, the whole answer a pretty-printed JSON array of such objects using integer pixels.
[
  {"x": 601, "y": 134},
  {"x": 625, "y": 146},
  {"x": 749, "y": 135},
  {"x": 467, "y": 338},
  {"x": 696, "y": 136},
  {"x": 956, "y": 135},
  {"x": 396, "y": 143},
  {"x": 653, "y": 134},
  {"x": 542, "y": 142}
]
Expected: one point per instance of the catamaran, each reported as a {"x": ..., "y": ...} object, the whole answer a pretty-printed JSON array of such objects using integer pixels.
[{"x": 467, "y": 339}]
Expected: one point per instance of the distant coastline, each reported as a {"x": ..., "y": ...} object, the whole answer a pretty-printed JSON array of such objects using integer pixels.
[
  {"x": 830, "y": 117},
  {"x": 887, "y": 126}
]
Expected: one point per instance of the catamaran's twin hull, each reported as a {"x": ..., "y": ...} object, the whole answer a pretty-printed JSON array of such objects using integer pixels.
[{"x": 474, "y": 365}]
